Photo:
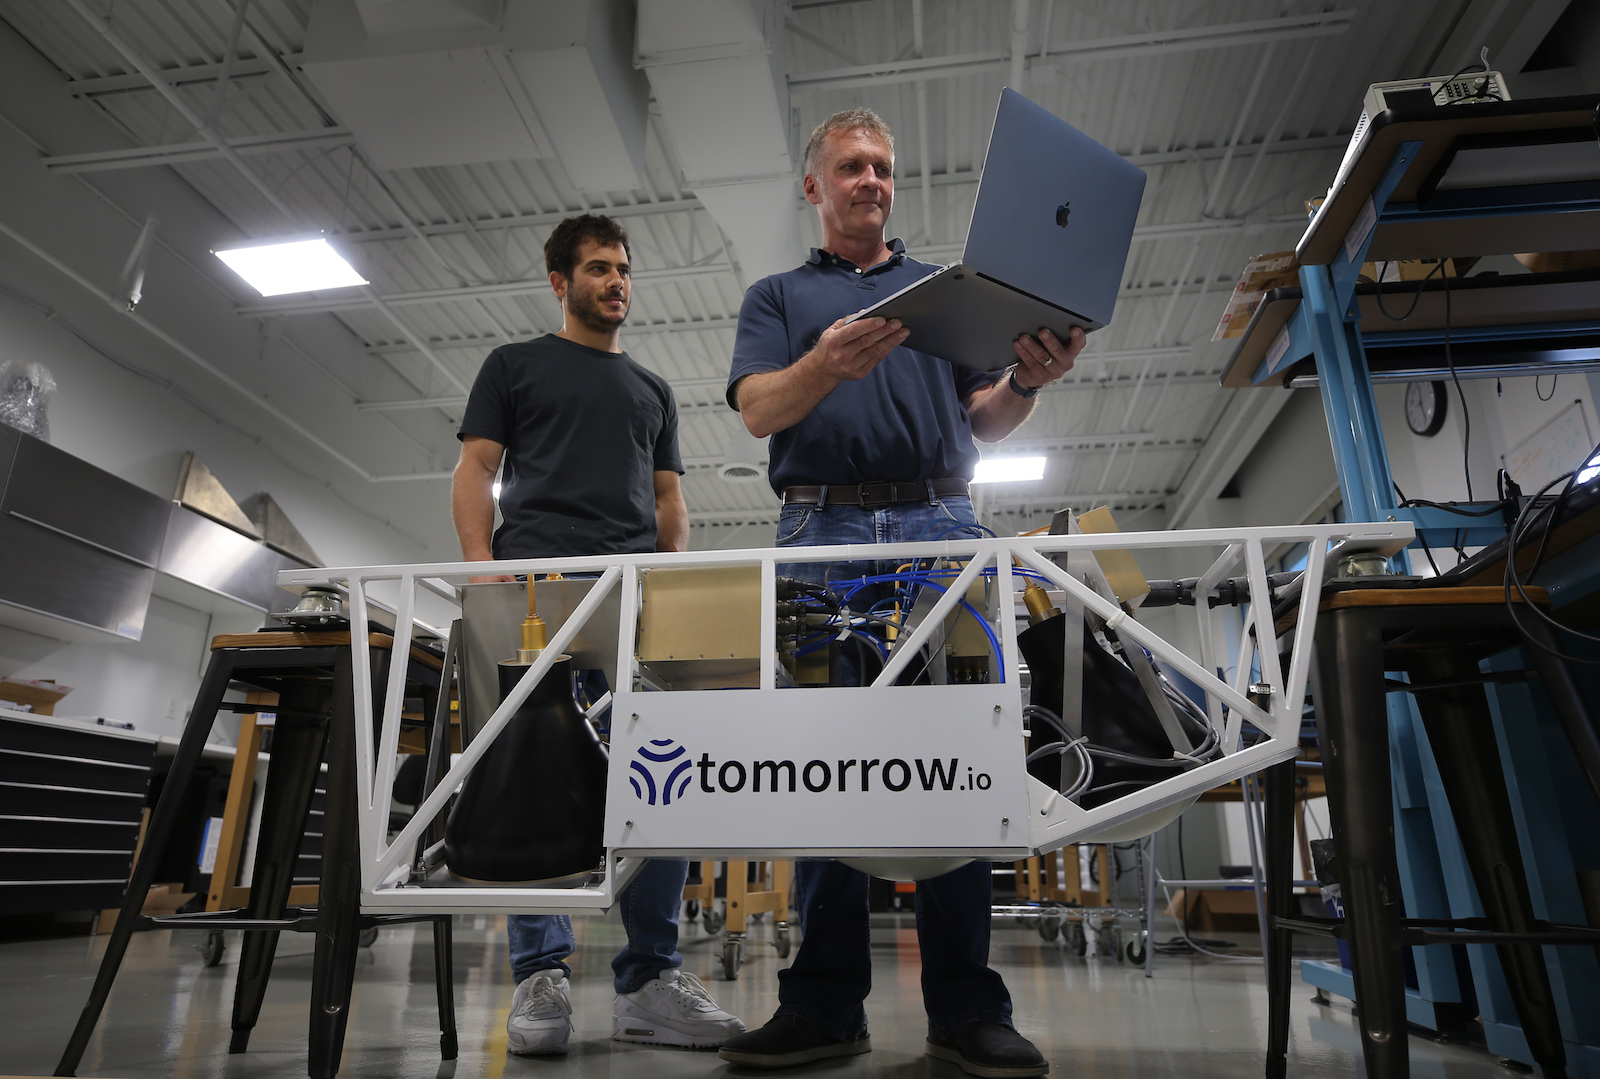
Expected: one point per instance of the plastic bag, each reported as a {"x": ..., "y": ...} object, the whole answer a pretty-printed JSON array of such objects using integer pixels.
[{"x": 25, "y": 392}]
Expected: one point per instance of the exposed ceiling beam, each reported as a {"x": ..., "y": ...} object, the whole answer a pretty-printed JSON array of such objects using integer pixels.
[
  {"x": 1158, "y": 43},
  {"x": 179, "y": 152},
  {"x": 1206, "y": 226},
  {"x": 500, "y": 290},
  {"x": 690, "y": 204},
  {"x": 685, "y": 205},
  {"x": 487, "y": 342},
  {"x": 506, "y": 289},
  {"x": 718, "y": 381},
  {"x": 176, "y": 76}
]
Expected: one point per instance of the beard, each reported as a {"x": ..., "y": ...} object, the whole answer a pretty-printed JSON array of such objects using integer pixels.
[{"x": 585, "y": 306}]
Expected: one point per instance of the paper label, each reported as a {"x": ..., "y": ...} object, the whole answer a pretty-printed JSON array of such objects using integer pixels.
[
  {"x": 1360, "y": 229},
  {"x": 208, "y": 847},
  {"x": 1280, "y": 345}
]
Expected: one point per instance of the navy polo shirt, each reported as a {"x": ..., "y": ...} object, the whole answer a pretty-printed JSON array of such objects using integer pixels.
[{"x": 904, "y": 421}]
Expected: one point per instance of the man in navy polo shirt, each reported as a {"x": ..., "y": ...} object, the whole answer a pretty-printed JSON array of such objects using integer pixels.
[{"x": 872, "y": 442}]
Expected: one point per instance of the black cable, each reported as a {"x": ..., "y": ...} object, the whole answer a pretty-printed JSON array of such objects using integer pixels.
[
  {"x": 1483, "y": 91},
  {"x": 1466, "y": 419},
  {"x": 1518, "y": 530},
  {"x": 1415, "y": 298},
  {"x": 1553, "y": 380},
  {"x": 1449, "y": 359}
]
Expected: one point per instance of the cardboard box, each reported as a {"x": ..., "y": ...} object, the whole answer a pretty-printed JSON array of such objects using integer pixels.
[
  {"x": 40, "y": 695},
  {"x": 1231, "y": 910},
  {"x": 1280, "y": 269},
  {"x": 1557, "y": 261}
]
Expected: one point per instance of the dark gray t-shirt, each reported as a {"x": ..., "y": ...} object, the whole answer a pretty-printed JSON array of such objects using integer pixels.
[{"x": 585, "y": 431}]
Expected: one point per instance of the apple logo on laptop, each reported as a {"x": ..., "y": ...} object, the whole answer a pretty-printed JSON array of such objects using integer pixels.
[{"x": 1062, "y": 212}]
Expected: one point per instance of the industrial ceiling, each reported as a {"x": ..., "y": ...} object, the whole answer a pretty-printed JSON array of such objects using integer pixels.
[{"x": 440, "y": 140}]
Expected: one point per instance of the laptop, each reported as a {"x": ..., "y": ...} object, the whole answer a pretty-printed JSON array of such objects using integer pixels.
[{"x": 1049, "y": 237}]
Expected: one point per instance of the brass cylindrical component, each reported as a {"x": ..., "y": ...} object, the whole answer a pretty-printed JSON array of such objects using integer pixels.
[
  {"x": 534, "y": 635},
  {"x": 1038, "y": 603}
]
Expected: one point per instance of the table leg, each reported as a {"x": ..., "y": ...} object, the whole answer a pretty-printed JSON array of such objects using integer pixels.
[
  {"x": 1352, "y": 730},
  {"x": 162, "y": 821},
  {"x": 1279, "y": 869},
  {"x": 297, "y": 743},
  {"x": 444, "y": 984},
  {"x": 1461, "y": 735},
  {"x": 339, "y": 896}
]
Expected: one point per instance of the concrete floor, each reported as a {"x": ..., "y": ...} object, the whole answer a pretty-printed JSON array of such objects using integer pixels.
[{"x": 169, "y": 1015}]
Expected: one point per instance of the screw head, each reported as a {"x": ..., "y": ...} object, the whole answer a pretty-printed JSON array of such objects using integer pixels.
[
  {"x": 634, "y": 717},
  {"x": 627, "y": 824},
  {"x": 1004, "y": 821},
  {"x": 997, "y": 709}
]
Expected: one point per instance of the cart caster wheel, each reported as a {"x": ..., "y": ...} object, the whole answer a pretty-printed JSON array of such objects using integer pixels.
[
  {"x": 368, "y": 936},
  {"x": 714, "y": 920},
  {"x": 1049, "y": 929},
  {"x": 730, "y": 959},
  {"x": 782, "y": 941},
  {"x": 214, "y": 948},
  {"x": 691, "y": 910},
  {"x": 1135, "y": 952},
  {"x": 1319, "y": 997},
  {"x": 1080, "y": 941}
]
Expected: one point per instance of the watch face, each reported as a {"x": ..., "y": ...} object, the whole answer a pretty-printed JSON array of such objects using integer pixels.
[{"x": 1425, "y": 406}]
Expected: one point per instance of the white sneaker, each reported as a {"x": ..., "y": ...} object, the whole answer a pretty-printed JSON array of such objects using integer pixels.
[
  {"x": 541, "y": 1016},
  {"x": 674, "y": 1009}
]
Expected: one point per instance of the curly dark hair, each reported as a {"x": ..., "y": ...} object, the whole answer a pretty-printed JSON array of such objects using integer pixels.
[{"x": 561, "y": 249}]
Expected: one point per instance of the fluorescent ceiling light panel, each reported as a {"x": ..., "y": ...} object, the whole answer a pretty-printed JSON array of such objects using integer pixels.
[
  {"x": 297, "y": 266},
  {"x": 1009, "y": 469}
]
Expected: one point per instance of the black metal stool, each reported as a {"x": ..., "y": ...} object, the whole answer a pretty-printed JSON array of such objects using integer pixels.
[
  {"x": 312, "y": 675},
  {"x": 1437, "y": 636}
]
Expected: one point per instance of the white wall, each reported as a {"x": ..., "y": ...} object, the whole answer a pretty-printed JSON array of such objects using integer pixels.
[{"x": 138, "y": 425}]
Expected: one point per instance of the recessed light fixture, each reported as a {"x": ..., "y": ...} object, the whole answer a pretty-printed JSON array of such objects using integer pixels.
[
  {"x": 1009, "y": 469},
  {"x": 276, "y": 269}
]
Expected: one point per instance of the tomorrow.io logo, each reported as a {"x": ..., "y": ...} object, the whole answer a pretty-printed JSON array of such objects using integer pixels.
[
  {"x": 668, "y": 757},
  {"x": 665, "y": 757}
]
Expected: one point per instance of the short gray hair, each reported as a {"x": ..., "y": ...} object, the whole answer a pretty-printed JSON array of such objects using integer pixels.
[{"x": 848, "y": 120}]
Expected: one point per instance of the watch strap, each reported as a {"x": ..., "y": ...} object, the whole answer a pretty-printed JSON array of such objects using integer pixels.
[{"x": 1017, "y": 387}]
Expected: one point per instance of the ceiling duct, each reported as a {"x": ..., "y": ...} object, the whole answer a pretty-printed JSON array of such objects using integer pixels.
[
  {"x": 716, "y": 67},
  {"x": 743, "y": 460},
  {"x": 456, "y": 82}
]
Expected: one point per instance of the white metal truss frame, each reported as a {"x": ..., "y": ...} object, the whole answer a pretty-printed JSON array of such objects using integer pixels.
[{"x": 1052, "y": 821}]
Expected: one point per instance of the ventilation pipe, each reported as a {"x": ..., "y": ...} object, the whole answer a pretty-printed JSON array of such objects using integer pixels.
[{"x": 716, "y": 67}]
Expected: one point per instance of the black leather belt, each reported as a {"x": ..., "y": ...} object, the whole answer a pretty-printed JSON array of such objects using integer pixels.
[{"x": 881, "y": 493}]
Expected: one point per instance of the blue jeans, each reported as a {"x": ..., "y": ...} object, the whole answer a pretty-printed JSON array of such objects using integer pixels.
[
  {"x": 649, "y": 912},
  {"x": 828, "y": 982}
]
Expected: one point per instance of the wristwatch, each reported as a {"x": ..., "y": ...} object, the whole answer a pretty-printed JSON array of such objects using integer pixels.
[{"x": 1017, "y": 387}]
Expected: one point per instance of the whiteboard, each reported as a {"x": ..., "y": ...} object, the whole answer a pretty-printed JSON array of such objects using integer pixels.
[{"x": 1552, "y": 450}]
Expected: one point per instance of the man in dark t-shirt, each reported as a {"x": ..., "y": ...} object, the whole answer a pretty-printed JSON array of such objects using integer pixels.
[
  {"x": 586, "y": 443},
  {"x": 872, "y": 443}
]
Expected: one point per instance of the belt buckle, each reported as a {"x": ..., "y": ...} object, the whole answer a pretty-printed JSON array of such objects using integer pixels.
[{"x": 863, "y": 503}]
